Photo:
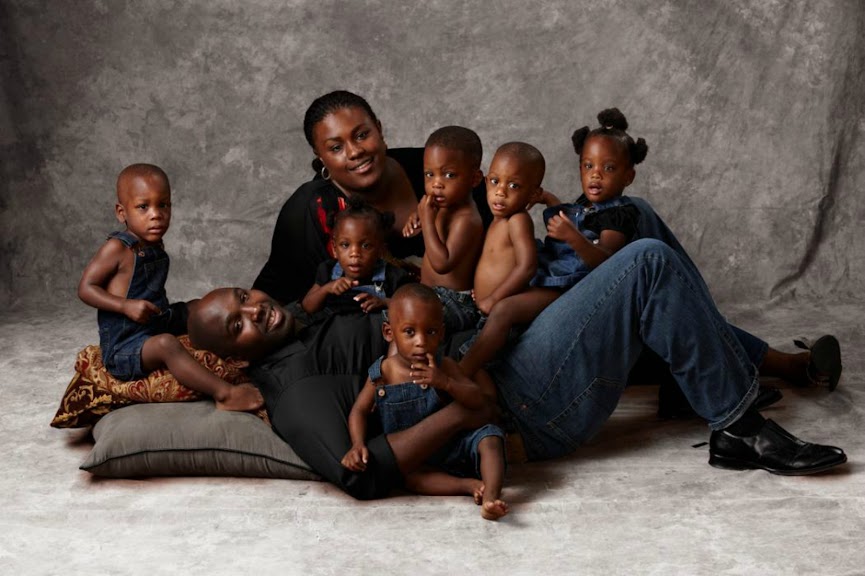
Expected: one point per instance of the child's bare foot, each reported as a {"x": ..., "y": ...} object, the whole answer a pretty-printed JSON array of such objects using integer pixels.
[
  {"x": 479, "y": 493},
  {"x": 241, "y": 398},
  {"x": 494, "y": 509}
]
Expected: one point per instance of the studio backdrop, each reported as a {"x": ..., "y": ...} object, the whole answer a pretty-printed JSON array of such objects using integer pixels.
[{"x": 753, "y": 111}]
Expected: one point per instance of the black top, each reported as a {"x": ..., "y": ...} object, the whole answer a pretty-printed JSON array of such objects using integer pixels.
[
  {"x": 622, "y": 219},
  {"x": 309, "y": 387},
  {"x": 302, "y": 231},
  {"x": 345, "y": 303}
]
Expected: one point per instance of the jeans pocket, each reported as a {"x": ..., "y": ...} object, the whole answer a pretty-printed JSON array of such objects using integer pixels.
[{"x": 583, "y": 417}]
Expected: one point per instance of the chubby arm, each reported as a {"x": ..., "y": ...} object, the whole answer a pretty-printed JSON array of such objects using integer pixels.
[
  {"x": 463, "y": 232},
  {"x": 561, "y": 228},
  {"x": 92, "y": 289},
  {"x": 358, "y": 455},
  {"x": 522, "y": 236}
]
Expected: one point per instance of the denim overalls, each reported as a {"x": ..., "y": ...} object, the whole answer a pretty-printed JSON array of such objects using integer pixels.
[
  {"x": 377, "y": 286},
  {"x": 120, "y": 338},
  {"x": 558, "y": 265},
  {"x": 401, "y": 406}
]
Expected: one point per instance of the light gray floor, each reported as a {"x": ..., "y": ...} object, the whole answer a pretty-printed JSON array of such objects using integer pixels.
[{"x": 638, "y": 500}]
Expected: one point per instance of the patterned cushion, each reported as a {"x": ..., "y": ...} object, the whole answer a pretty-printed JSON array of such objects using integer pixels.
[{"x": 93, "y": 392}]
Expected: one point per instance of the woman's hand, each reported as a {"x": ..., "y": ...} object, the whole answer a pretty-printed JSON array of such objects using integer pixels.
[
  {"x": 560, "y": 227},
  {"x": 412, "y": 226},
  {"x": 356, "y": 458},
  {"x": 368, "y": 302}
]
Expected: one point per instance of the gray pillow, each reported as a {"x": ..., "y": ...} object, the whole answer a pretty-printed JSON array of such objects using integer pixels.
[{"x": 190, "y": 439}]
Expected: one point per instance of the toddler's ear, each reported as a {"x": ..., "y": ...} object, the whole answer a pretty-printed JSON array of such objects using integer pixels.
[
  {"x": 120, "y": 213},
  {"x": 630, "y": 176},
  {"x": 387, "y": 331},
  {"x": 477, "y": 178}
]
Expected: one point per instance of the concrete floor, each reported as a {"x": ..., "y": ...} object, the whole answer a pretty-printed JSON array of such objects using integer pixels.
[{"x": 640, "y": 499}]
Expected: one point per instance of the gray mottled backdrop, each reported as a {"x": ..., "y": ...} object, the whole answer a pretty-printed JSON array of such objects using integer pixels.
[{"x": 753, "y": 112}]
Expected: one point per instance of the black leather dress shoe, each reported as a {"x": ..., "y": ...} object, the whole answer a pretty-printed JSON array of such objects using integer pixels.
[{"x": 772, "y": 449}]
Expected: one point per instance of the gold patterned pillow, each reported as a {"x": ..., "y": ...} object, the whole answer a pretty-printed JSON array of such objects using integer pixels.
[{"x": 93, "y": 391}]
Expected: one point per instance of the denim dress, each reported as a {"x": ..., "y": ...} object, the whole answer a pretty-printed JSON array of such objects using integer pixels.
[
  {"x": 121, "y": 338},
  {"x": 558, "y": 265},
  {"x": 401, "y": 406}
]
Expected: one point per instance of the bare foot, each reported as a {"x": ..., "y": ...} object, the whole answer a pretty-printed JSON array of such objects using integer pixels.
[
  {"x": 494, "y": 509},
  {"x": 242, "y": 398},
  {"x": 479, "y": 493}
]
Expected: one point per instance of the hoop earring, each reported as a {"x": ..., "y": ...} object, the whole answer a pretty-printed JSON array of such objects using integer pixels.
[{"x": 325, "y": 173}]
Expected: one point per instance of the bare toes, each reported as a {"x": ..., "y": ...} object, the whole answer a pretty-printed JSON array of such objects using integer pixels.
[{"x": 494, "y": 509}]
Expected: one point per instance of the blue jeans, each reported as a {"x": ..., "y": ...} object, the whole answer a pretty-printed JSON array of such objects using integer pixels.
[
  {"x": 563, "y": 377},
  {"x": 650, "y": 225}
]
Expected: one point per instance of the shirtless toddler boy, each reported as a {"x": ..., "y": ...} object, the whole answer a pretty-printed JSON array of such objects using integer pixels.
[
  {"x": 451, "y": 224},
  {"x": 125, "y": 281},
  {"x": 509, "y": 258}
]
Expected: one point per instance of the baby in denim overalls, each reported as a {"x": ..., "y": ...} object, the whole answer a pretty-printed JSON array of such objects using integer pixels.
[
  {"x": 452, "y": 227},
  {"x": 582, "y": 235},
  {"x": 412, "y": 384},
  {"x": 358, "y": 279},
  {"x": 125, "y": 281}
]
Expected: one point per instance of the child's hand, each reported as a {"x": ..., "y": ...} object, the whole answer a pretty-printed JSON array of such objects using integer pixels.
[
  {"x": 546, "y": 198},
  {"x": 356, "y": 458},
  {"x": 340, "y": 285},
  {"x": 485, "y": 304},
  {"x": 561, "y": 228},
  {"x": 139, "y": 310},
  {"x": 426, "y": 209},
  {"x": 368, "y": 302},
  {"x": 429, "y": 374},
  {"x": 412, "y": 226}
]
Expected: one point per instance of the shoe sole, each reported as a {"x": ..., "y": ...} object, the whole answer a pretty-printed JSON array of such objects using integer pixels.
[
  {"x": 826, "y": 359},
  {"x": 726, "y": 463}
]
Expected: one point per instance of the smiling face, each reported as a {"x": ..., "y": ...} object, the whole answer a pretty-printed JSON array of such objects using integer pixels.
[
  {"x": 449, "y": 176},
  {"x": 351, "y": 147},
  {"x": 357, "y": 245},
  {"x": 605, "y": 169},
  {"x": 144, "y": 205},
  {"x": 512, "y": 182},
  {"x": 416, "y": 326},
  {"x": 240, "y": 323}
]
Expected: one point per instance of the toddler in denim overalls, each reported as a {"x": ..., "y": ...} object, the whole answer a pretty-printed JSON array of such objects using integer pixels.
[
  {"x": 121, "y": 338},
  {"x": 125, "y": 282},
  {"x": 559, "y": 266},
  {"x": 358, "y": 279},
  {"x": 414, "y": 384},
  {"x": 581, "y": 236}
]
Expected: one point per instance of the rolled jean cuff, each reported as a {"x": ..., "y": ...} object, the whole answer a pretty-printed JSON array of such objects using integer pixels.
[{"x": 740, "y": 408}]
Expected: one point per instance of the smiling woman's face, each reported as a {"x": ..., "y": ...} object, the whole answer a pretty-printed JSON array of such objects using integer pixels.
[
  {"x": 240, "y": 323},
  {"x": 352, "y": 148}
]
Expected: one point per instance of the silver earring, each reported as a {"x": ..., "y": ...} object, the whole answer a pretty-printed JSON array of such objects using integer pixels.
[{"x": 325, "y": 173}]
